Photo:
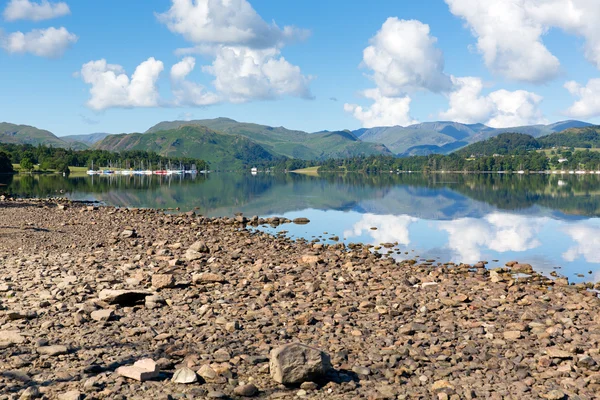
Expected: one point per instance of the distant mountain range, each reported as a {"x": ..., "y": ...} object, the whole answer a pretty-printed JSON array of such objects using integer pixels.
[
  {"x": 89, "y": 139},
  {"x": 445, "y": 137},
  {"x": 226, "y": 142}
]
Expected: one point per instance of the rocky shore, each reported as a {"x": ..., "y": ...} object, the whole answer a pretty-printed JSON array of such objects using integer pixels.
[{"x": 105, "y": 303}]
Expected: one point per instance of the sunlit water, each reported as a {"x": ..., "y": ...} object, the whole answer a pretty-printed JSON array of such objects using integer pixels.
[{"x": 551, "y": 222}]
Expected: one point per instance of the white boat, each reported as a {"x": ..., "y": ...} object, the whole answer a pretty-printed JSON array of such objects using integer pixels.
[{"x": 520, "y": 172}]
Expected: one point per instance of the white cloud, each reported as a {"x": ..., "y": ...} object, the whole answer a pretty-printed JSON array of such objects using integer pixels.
[
  {"x": 111, "y": 87},
  {"x": 242, "y": 74},
  {"x": 186, "y": 92},
  {"x": 50, "y": 43},
  {"x": 403, "y": 58},
  {"x": 587, "y": 239},
  {"x": 509, "y": 33},
  {"x": 229, "y": 22},
  {"x": 588, "y": 104},
  {"x": 246, "y": 53},
  {"x": 390, "y": 228},
  {"x": 28, "y": 10},
  {"x": 508, "y": 38},
  {"x": 385, "y": 111},
  {"x": 468, "y": 237},
  {"x": 498, "y": 109}
]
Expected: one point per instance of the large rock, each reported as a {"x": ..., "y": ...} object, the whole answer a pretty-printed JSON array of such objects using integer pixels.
[
  {"x": 200, "y": 247},
  {"x": 142, "y": 370},
  {"x": 123, "y": 297},
  {"x": 11, "y": 337},
  {"x": 102, "y": 315},
  {"x": 54, "y": 350},
  {"x": 184, "y": 375},
  {"x": 163, "y": 281},
  {"x": 192, "y": 255},
  {"x": 296, "y": 363}
]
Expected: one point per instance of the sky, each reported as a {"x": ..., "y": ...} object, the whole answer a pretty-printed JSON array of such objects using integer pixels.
[{"x": 78, "y": 67}]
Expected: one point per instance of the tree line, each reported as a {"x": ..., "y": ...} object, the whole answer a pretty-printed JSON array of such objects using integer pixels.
[{"x": 53, "y": 158}]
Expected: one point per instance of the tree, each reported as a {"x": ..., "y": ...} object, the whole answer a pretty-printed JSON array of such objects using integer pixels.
[
  {"x": 5, "y": 164},
  {"x": 27, "y": 163}
]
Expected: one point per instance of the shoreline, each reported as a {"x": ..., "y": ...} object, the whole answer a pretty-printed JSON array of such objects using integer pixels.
[{"x": 392, "y": 329}]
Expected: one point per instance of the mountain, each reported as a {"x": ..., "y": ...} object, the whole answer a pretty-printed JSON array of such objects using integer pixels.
[
  {"x": 221, "y": 150},
  {"x": 588, "y": 137},
  {"x": 25, "y": 134},
  {"x": 504, "y": 143},
  {"x": 89, "y": 139},
  {"x": 444, "y": 137},
  {"x": 286, "y": 142}
]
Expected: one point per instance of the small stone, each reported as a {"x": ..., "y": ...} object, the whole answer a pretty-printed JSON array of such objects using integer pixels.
[
  {"x": 555, "y": 395},
  {"x": 359, "y": 370},
  {"x": 199, "y": 247},
  {"x": 54, "y": 350},
  {"x": 296, "y": 363},
  {"x": 141, "y": 370},
  {"x": 207, "y": 373},
  {"x": 102, "y": 315},
  {"x": 309, "y": 386},
  {"x": 123, "y": 297},
  {"x": 31, "y": 392},
  {"x": 208, "y": 277},
  {"x": 163, "y": 281},
  {"x": 184, "y": 375},
  {"x": 442, "y": 386},
  {"x": 245, "y": 390},
  {"x": 512, "y": 335},
  {"x": 71, "y": 395},
  {"x": 128, "y": 233}
]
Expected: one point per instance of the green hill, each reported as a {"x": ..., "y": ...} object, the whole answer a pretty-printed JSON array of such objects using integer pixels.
[
  {"x": 221, "y": 150},
  {"x": 286, "y": 142},
  {"x": 504, "y": 143},
  {"x": 25, "y": 134},
  {"x": 588, "y": 137}
]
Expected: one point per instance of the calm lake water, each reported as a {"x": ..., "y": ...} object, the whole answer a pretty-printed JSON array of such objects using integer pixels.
[{"x": 550, "y": 221}]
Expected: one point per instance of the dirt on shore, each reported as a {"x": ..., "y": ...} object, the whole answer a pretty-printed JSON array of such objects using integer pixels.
[{"x": 86, "y": 290}]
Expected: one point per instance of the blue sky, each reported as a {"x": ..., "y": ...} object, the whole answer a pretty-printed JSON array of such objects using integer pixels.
[{"x": 453, "y": 59}]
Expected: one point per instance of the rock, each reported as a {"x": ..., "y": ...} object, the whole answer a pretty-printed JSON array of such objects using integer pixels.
[
  {"x": 207, "y": 373},
  {"x": 71, "y": 395},
  {"x": 296, "y": 363},
  {"x": 154, "y": 301},
  {"x": 199, "y": 247},
  {"x": 442, "y": 386},
  {"x": 32, "y": 392},
  {"x": 301, "y": 221},
  {"x": 512, "y": 335},
  {"x": 309, "y": 386},
  {"x": 555, "y": 395},
  {"x": 54, "y": 350},
  {"x": 163, "y": 281},
  {"x": 192, "y": 255},
  {"x": 128, "y": 233},
  {"x": 522, "y": 268},
  {"x": 361, "y": 370},
  {"x": 102, "y": 315},
  {"x": 11, "y": 337},
  {"x": 123, "y": 297},
  {"x": 208, "y": 277},
  {"x": 245, "y": 390},
  {"x": 142, "y": 370},
  {"x": 554, "y": 352},
  {"x": 184, "y": 375}
]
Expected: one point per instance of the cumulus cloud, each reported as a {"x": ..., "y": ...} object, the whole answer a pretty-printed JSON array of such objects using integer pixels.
[
  {"x": 242, "y": 74},
  {"x": 230, "y": 22},
  {"x": 390, "y": 228},
  {"x": 385, "y": 111},
  {"x": 499, "y": 109},
  {"x": 246, "y": 53},
  {"x": 588, "y": 104},
  {"x": 468, "y": 237},
  {"x": 29, "y": 10},
  {"x": 50, "y": 43},
  {"x": 509, "y": 33},
  {"x": 587, "y": 239},
  {"x": 186, "y": 92},
  {"x": 111, "y": 87},
  {"x": 403, "y": 58}
]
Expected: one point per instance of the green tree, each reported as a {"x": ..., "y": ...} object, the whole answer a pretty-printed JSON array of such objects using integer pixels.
[
  {"x": 5, "y": 164},
  {"x": 27, "y": 163}
]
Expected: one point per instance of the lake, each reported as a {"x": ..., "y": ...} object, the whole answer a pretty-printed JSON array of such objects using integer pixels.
[{"x": 549, "y": 221}]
